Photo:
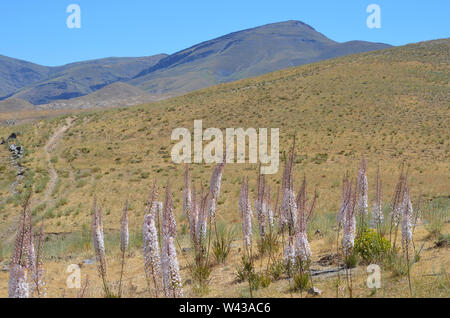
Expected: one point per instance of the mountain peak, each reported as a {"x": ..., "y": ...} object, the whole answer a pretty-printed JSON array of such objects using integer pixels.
[{"x": 233, "y": 56}]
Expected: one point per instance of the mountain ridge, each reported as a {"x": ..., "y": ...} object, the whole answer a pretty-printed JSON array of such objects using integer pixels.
[{"x": 240, "y": 54}]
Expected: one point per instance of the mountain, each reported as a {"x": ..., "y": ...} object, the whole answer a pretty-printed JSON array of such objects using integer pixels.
[
  {"x": 15, "y": 74},
  {"x": 231, "y": 57},
  {"x": 244, "y": 54},
  {"x": 79, "y": 79}
]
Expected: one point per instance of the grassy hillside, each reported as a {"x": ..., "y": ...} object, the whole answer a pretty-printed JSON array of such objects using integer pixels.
[{"x": 391, "y": 106}]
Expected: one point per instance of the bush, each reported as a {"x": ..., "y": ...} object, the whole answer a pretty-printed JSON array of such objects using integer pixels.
[
  {"x": 301, "y": 281},
  {"x": 276, "y": 269},
  {"x": 222, "y": 244},
  {"x": 201, "y": 278},
  {"x": 269, "y": 244},
  {"x": 371, "y": 247},
  {"x": 351, "y": 260}
]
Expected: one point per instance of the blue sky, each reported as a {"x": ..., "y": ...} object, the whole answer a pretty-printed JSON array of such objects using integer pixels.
[{"x": 36, "y": 30}]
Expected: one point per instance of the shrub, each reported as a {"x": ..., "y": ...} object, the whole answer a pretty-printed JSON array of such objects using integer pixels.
[
  {"x": 372, "y": 247},
  {"x": 245, "y": 270},
  {"x": 301, "y": 281},
  {"x": 351, "y": 260},
  {"x": 269, "y": 244},
  {"x": 222, "y": 244},
  {"x": 276, "y": 269},
  {"x": 201, "y": 277}
]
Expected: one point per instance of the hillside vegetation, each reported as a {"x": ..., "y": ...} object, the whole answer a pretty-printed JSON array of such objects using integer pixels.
[{"x": 392, "y": 106}]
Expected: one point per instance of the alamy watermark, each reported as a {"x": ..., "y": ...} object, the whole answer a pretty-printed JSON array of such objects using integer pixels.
[
  {"x": 214, "y": 152},
  {"x": 74, "y": 279},
  {"x": 374, "y": 19},
  {"x": 74, "y": 19},
  {"x": 374, "y": 279}
]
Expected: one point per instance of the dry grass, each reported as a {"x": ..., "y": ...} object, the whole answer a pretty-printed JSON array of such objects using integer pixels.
[{"x": 390, "y": 105}]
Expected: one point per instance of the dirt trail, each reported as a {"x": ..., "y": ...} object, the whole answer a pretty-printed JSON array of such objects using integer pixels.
[{"x": 49, "y": 148}]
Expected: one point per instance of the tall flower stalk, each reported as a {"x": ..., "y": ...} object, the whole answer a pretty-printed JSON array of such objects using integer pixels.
[
  {"x": 169, "y": 261},
  {"x": 214, "y": 189},
  {"x": 18, "y": 286},
  {"x": 288, "y": 212},
  {"x": 349, "y": 225},
  {"x": 99, "y": 245},
  {"x": 263, "y": 209},
  {"x": 302, "y": 248},
  {"x": 26, "y": 274},
  {"x": 124, "y": 241},
  {"x": 348, "y": 239},
  {"x": 377, "y": 207},
  {"x": 187, "y": 196},
  {"x": 363, "y": 199},
  {"x": 396, "y": 211},
  {"x": 340, "y": 219},
  {"x": 245, "y": 210},
  {"x": 151, "y": 250},
  {"x": 407, "y": 230},
  {"x": 198, "y": 226}
]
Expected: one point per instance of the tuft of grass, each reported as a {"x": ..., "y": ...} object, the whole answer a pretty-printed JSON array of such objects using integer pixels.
[{"x": 222, "y": 245}]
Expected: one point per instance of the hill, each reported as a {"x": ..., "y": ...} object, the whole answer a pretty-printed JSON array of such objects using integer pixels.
[
  {"x": 15, "y": 105},
  {"x": 231, "y": 57},
  {"x": 390, "y": 105},
  {"x": 15, "y": 74},
  {"x": 79, "y": 79},
  {"x": 244, "y": 54},
  {"x": 118, "y": 94}
]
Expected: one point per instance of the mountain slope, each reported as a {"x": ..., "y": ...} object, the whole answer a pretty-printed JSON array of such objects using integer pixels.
[
  {"x": 389, "y": 105},
  {"x": 231, "y": 57},
  {"x": 113, "y": 95},
  {"x": 79, "y": 79},
  {"x": 244, "y": 54},
  {"x": 15, "y": 74},
  {"x": 15, "y": 105}
]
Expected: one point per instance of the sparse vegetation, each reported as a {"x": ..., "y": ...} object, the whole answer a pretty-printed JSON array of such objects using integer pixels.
[{"x": 337, "y": 119}]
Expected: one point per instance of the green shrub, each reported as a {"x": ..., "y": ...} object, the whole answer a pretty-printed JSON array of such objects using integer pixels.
[
  {"x": 351, "y": 260},
  {"x": 222, "y": 244},
  {"x": 301, "y": 281},
  {"x": 245, "y": 270},
  {"x": 276, "y": 269},
  {"x": 371, "y": 247},
  {"x": 201, "y": 278},
  {"x": 269, "y": 244}
]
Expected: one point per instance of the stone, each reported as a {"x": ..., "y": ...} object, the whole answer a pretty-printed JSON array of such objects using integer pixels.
[{"x": 314, "y": 291}]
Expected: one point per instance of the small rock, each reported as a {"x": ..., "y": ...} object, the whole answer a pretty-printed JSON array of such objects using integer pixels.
[
  {"x": 317, "y": 232},
  {"x": 5, "y": 268},
  {"x": 186, "y": 249},
  {"x": 314, "y": 291}
]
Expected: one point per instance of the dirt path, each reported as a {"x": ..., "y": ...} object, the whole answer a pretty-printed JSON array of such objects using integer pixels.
[
  {"x": 47, "y": 197},
  {"x": 49, "y": 148}
]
